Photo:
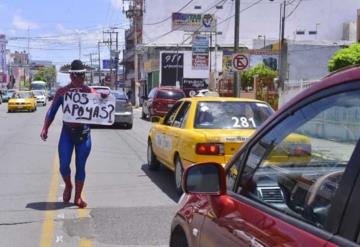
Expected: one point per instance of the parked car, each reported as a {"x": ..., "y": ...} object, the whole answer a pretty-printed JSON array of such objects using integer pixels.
[
  {"x": 160, "y": 100},
  {"x": 7, "y": 94},
  {"x": 123, "y": 110},
  {"x": 22, "y": 101},
  {"x": 254, "y": 202},
  {"x": 203, "y": 129},
  {"x": 51, "y": 93},
  {"x": 101, "y": 89},
  {"x": 40, "y": 97}
]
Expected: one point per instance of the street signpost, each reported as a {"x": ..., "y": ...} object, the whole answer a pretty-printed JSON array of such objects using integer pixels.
[{"x": 240, "y": 62}]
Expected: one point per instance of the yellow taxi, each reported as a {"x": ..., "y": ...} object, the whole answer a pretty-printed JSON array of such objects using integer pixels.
[
  {"x": 203, "y": 129},
  {"x": 22, "y": 101}
]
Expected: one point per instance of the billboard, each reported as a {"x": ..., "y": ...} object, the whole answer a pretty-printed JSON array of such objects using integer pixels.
[
  {"x": 270, "y": 60},
  {"x": 200, "y": 52},
  {"x": 192, "y": 85},
  {"x": 193, "y": 22},
  {"x": 171, "y": 68},
  {"x": 109, "y": 64}
]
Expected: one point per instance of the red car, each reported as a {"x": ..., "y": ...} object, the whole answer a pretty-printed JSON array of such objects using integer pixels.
[
  {"x": 160, "y": 100},
  {"x": 263, "y": 199}
]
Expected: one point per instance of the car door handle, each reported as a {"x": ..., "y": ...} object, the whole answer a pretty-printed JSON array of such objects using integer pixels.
[{"x": 247, "y": 238}]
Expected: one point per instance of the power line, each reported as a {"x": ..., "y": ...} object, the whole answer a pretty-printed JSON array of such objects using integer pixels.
[
  {"x": 298, "y": 4},
  {"x": 250, "y": 6}
]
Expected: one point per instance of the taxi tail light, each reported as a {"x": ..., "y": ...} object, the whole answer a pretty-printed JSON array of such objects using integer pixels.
[{"x": 209, "y": 148}]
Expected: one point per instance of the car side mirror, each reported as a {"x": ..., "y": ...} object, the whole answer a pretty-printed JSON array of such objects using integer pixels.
[
  {"x": 208, "y": 178},
  {"x": 156, "y": 119}
]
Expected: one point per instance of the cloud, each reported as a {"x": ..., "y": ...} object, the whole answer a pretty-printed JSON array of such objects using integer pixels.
[
  {"x": 117, "y": 4},
  {"x": 22, "y": 24}
]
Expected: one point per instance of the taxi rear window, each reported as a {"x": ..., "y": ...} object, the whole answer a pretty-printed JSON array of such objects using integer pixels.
[
  {"x": 175, "y": 95},
  {"x": 230, "y": 115}
]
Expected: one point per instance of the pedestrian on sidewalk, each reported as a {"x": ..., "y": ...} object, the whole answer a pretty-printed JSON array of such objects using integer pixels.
[{"x": 73, "y": 135}]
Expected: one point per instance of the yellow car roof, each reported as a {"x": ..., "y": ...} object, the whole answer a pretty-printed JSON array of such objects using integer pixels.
[{"x": 223, "y": 99}]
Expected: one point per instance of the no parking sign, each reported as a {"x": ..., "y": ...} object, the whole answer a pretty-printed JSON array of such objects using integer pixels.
[{"x": 240, "y": 62}]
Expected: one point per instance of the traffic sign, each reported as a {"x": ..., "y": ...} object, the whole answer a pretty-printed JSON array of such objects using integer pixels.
[{"x": 240, "y": 62}]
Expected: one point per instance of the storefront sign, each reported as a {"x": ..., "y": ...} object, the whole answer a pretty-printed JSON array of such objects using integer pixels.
[
  {"x": 193, "y": 22},
  {"x": 172, "y": 68},
  {"x": 200, "y": 52},
  {"x": 192, "y": 85}
]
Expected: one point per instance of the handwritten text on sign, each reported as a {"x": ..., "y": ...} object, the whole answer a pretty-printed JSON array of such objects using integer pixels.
[{"x": 88, "y": 108}]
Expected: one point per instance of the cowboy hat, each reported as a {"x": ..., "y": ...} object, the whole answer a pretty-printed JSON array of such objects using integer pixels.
[{"x": 76, "y": 66}]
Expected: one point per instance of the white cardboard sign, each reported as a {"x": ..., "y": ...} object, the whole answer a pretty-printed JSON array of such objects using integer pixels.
[{"x": 88, "y": 108}]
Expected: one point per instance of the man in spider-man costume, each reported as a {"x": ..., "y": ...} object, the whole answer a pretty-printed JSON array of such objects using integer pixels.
[{"x": 73, "y": 135}]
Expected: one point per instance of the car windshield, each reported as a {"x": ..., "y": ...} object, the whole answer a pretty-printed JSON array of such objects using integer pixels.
[
  {"x": 231, "y": 115},
  {"x": 24, "y": 95},
  {"x": 101, "y": 90},
  {"x": 38, "y": 93},
  {"x": 175, "y": 95},
  {"x": 119, "y": 95}
]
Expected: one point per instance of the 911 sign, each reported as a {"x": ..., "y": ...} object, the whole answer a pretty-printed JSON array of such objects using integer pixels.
[{"x": 240, "y": 62}]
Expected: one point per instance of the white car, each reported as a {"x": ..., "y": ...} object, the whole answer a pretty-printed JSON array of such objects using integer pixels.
[
  {"x": 41, "y": 97},
  {"x": 206, "y": 92}
]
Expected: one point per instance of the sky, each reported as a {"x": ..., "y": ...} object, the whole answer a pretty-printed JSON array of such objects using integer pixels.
[{"x": 54, "y": 30}]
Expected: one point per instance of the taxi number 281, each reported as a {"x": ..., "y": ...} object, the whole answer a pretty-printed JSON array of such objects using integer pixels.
[{"x": 243, "y": 122}]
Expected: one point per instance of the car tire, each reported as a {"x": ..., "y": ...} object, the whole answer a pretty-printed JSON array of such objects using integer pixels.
[
  {"x": 179, "y": 171},
  {"x": 178, "y": 239},
  {"x": 152, "y": 161},
  {"x": 129, "y": 126},
  {"x": 143, "y": 115}
]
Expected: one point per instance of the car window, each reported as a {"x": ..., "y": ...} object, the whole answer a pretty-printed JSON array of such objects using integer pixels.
[
  {"x": 119, "y": 96},
  {"x": 170, "y": 116},
  {"x": 297, "y": 166},
  {"x": 152, "y": 93},
  {"x": 168, "y": 94},
  {"x": 24, "y": 95},
  {"x": 181, "y": 114},
  {"x": 230, "y": 115}
]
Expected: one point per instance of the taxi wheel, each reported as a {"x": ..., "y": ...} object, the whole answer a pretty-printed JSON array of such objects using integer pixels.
[
  {"x": 153, "y": 163},
  {"x": 178, "y": 175}
]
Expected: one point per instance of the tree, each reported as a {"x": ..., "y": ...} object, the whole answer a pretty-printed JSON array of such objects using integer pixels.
[
  {"x": 345, "y": 57},
  {"x": 47, "y": 74},
  {"x": 247, "y": 78}
]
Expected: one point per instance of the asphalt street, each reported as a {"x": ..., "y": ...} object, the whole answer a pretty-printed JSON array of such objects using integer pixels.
[{"x": 127, "y": 204}]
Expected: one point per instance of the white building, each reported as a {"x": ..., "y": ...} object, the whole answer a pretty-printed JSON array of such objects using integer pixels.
[{"x": 324, "y": 19}]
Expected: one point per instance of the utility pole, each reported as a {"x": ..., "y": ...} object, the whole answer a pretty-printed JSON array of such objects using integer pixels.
[
  {"x": 116, "y": 60},
  {"x": 135, "y": 12},
  {"x": 237, "y": 79},
  {"x": 99, "y": 68},
  {"x": 91, "y": 64},
  {"x": 110, "y": 46},
  {"x": 79, "y": 47},
  {"x": 282, "y": 65},
  {"x": 114, "y": 57},
  {"x": 136, "y": 69}
]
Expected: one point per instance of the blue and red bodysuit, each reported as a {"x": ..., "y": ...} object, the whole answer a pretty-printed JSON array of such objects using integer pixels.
[{"x": 66, "y": 141}]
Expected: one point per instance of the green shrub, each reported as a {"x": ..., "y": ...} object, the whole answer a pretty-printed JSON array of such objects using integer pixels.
[{"x": 345, "y": 57}]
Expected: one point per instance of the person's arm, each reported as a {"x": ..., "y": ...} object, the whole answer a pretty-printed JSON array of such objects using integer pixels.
[{"x": 51, "y": 113}]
